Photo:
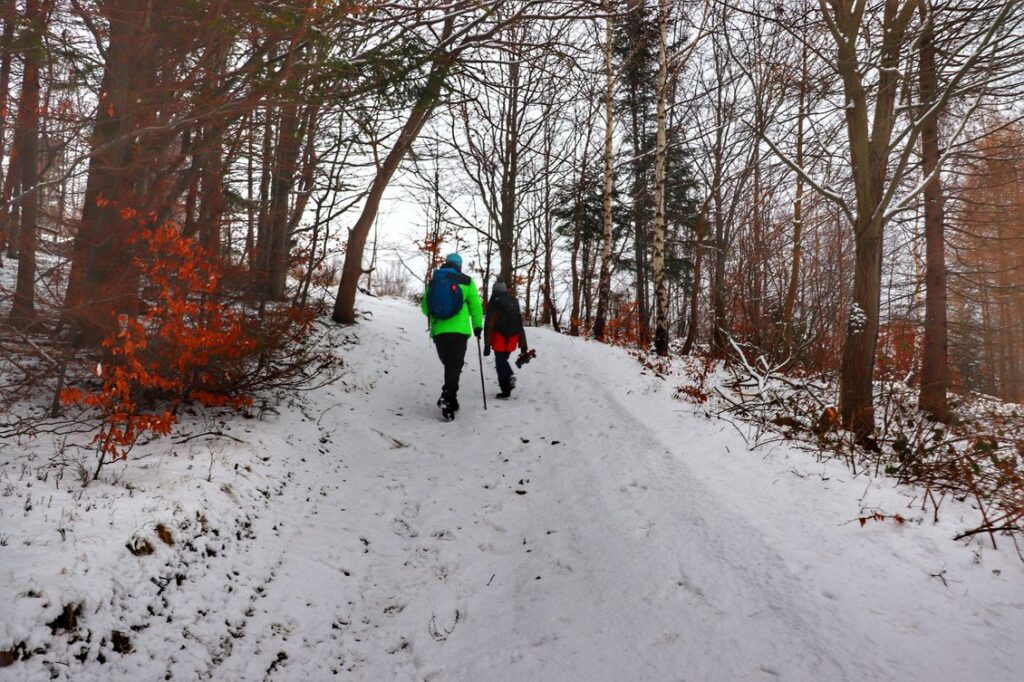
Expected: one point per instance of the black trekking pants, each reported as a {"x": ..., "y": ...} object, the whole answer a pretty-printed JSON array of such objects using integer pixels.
[
  {"x": 504, "y": 370},
  {"x": 451, "y": 348}
]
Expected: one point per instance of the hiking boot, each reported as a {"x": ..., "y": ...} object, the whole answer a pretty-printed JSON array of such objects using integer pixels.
[
  {"x": 506, "y": 388},
  {"x": 449, "y": 405}
]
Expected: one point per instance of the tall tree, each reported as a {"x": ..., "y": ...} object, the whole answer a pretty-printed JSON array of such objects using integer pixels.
[
  {"x": 440, "y": 64},
  {"x": 789, "y": 306},
  {"x": 604, "y": 280},
  {"x": 934, "y": 365},
  {"x": 36, "y": 11},
  {"x": 870, "y": 146},
  {"x": 7, "y": 15},
  {"x": 637, "y": 48},
  {"x": 660, "y": 280},
  {"x": 143, "y": 50}
]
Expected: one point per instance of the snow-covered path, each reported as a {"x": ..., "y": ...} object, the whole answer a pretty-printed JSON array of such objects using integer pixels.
[{"x": 593, "y": 529}]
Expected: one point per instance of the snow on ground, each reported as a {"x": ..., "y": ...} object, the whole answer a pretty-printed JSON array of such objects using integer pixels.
[{"x": 591, "y": 528}]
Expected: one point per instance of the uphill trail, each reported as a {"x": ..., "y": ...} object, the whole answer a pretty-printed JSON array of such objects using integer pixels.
[{"x": 589, "y": 528}]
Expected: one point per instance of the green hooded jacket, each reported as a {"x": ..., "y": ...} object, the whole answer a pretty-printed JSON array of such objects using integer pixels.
[{"x": 460, "y": 323}]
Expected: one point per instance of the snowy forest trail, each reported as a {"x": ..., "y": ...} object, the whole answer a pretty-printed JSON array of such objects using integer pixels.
[
  {"x": 593, "y": 527},
  {"x": 563, "y": 535}
]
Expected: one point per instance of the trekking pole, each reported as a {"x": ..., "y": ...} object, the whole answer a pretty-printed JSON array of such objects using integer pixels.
[{"x": 480, "y": 357}]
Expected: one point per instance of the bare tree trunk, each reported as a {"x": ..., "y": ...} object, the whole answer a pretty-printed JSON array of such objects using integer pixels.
[
  {"x": 23, "y": 308},
  {"x": 869, "y": 157},
  {"x": 720, "y": 322},
  {"x": 989, "y": 334},
  {"x": 934, "y": 367},
  {"x": 344, "y": 304},
  {"x": 281, "y": 184},
  {"x": 528, "y": 307},
  {"x": 8, "y": 212},
  {"x": 660, "y": 281},
  {"x": 259, "y": 262},
  {"x": 756, "y": 258},
  {"x": 574, "y": 258},
  {"x": 639, "y": 238},
  {"x": 99, "y": 284},
  {"x": 694, "y": 320},
  {"x": 604, "y": 281},
  {"x": 510, "y": 176},
  {"x": 1005, "y": 267},
  {"x": 856, "y": 399},
  {"x": 7, "y": 11},
  {"x": 250, "y": 223},
  {"x": 590, "y": 266},
  {"x": 550, "y": 312},
  {"x": 789, "y": 334},
  {"x": 212, "y": 169},
  {"x": 191, "y": 144}
]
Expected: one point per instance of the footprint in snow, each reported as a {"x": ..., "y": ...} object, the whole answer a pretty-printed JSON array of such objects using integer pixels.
[
  {"x": 411, "y": 510},
  {"x": 402, "y": 528},
  {"x": 402, "y": 645}
]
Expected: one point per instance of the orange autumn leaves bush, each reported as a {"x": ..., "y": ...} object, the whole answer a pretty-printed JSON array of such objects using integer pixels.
[{"x": 175, "y": 351}]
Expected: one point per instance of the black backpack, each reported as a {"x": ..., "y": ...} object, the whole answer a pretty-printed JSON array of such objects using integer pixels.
[{"x": 509, "y": 319}]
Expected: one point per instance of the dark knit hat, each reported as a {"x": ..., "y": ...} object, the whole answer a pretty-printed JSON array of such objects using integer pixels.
[{"x": 499, "y": 286}]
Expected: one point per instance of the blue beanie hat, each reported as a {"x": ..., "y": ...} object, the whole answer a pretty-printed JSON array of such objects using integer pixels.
[{"x": 454, "y": 259}]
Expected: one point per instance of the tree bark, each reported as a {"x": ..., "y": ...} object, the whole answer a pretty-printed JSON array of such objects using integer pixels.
[
  {"x": 856, "y": 398},
  {"x": 934, "y": 365},
  {"x": 660, "y": 281},
  {"x": 281, "y": 184},
  {"x": 694, "y": 320},
  {"x": 720, "y": 317},
  {"x": 510, "y": 177},
  {"x": 757, "y": 255},
  {"x": 23, "y": 306},
  {"x": 604, "y": 280},
  {"x": 7, "y": 11},
  {"x": 789, "y": 333},
  {"x": 259, "y": 262},
  {"x": 574, "y": 257},
  {"x": 100, "y": 285},
  {"x": 869, "y": 158},
  {"x": 550, "y": 311},
  {"x": 639, "y": 236},
  {"x": 9, "y": 213},
  {"x": 212, "y": 169}
]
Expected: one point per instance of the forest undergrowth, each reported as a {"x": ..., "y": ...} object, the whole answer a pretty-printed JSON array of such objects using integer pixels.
[
  {"x": 977, "y": 458},
  {"x": 195, "y": 340}
]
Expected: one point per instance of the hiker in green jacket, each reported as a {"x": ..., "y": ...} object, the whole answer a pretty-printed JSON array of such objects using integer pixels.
[{"x": 451, "y": 301}]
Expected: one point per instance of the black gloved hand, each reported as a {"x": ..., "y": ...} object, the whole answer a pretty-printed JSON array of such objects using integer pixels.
[
  {"x": 477, "y": 332},
  {"x": 487, "y": 351}
]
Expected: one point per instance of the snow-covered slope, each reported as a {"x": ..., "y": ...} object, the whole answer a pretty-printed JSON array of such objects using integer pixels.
[{"x": 591, "y": 528}]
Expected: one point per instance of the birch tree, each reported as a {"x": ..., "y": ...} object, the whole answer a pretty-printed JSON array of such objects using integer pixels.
[{"x": 660, "y": 281}]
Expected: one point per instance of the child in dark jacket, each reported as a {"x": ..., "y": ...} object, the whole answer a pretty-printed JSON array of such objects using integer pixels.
[{"x": 503, "y": 333}]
